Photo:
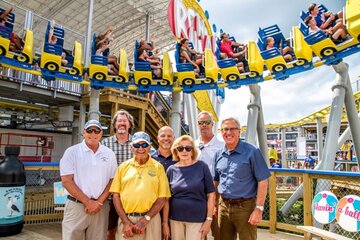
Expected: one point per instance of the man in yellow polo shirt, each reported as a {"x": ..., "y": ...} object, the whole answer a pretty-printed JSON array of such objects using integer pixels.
[
  {"x": 140, "y": 189},
  {"x": 273, "y": 156}
]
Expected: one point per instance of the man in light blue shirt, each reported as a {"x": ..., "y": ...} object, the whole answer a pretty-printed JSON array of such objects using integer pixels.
[{"x": 241, "y": 178}]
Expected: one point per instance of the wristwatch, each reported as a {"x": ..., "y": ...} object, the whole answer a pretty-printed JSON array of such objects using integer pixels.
[
  {"x": 261, "y": 208},
  {"x": 147, "y": 217}
]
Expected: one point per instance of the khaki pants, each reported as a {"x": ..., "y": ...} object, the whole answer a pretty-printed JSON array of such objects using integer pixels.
[
  {"x": 185, "y": 230},
  {"x": 233, "y": 220},
  {"x": 77, "y": 224},
  {"x": 215, "y": 230},
  {"x": 152, "y": 231}
]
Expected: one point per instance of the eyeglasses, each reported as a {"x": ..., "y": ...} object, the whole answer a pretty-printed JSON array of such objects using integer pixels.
[
  {"x": 229, "y": 129},
  {"x": 138, "y": 145},
  {"x": 94, "y": 130},
  {"x": 187, "y": 148},
  {"x": 206, "y": 122}
]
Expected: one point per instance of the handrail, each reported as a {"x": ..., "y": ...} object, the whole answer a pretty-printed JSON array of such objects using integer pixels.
[
  {"x": 320, "y": 172},
  {"x": 41, "y": 164}
]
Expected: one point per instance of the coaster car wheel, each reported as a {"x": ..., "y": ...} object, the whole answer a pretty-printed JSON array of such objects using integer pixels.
[
  {"x": 208, "y": 80},
  {"x": 22, "y": 58},
  {"x": 253, "y": 74},
  {"x": 144, "y": 81},
  {"x": 99, "y": 76},
  {"x": 327, "y": 51},
  {"x": 2, "y": 50},
  {"x": 301, "y": 61},
  {"x": 188, "y": 81},
  {"x": 278, "y": 67},
  {"x": 120, "y": 79},
  {"x": 51, "y": 66},
  {"x": 73, "y": 71},
  {"x": 164, "y": 82},
  {"x": 232, "y": 77}
]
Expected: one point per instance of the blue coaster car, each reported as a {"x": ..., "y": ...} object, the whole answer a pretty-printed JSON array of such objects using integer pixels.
[
  {"x": 329, "y": 52},
  {"x": 21, "y": 60},
  {"x": 230, "y": 72},
  {"x": 98, "y": 70},
  {"x": 186, "y": 76},
  {"x": 50, "y": 62},
  {"x": 143, "y": 75},
  {"x": 274, "y": 59}
]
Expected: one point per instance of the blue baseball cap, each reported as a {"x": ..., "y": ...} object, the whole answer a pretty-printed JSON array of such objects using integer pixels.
[
  {"x": 141, "y": 137},
  {"x": 92, "y": 123}
]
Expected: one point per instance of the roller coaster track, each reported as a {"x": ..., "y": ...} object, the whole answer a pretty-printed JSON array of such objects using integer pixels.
[{"x": 311, "y": 118}]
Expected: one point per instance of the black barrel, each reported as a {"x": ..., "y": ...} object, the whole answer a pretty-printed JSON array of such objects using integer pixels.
[{"x": 12, "y": 192}]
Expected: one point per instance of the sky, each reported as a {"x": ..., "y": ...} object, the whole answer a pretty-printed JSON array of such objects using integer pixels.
[{"x": 282, "y": 101}]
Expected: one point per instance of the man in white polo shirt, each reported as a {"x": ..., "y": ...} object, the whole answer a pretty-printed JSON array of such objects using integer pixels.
[
  {"x": 207, "y": 145},
  {"x": 87, "y": 170}
]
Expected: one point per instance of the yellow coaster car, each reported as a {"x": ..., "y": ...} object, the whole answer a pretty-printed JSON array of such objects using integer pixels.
[
  {"x": 17, "y": 59},
  {"x": 54, "y": 55}
]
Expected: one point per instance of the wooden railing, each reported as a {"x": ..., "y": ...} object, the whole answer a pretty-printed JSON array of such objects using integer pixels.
[{"x": 340, "y": 183}]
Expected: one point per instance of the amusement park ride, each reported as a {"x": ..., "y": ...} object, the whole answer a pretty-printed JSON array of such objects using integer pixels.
[{"x": 310, "y": 50}]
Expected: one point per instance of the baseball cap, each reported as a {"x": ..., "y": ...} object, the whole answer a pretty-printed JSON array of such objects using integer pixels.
[
  {"x": 141, "y": 137},
  {"x": 92, "y": 123}
]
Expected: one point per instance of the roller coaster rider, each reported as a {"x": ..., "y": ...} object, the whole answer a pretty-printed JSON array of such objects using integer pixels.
[
  {"x": 189, "y": 55},
  {"x": 102, "y": 47},
  {"x": 16, "y": 42},
  {"x": 226, "y": 46}
]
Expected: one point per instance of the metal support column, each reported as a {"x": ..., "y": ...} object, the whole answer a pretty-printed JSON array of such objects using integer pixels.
[
  {"x": 81, "y": 122},
  {"x": 320, "y": 138},
  {"x": 333, "y": 129},
  {"x": 194, "y": 131},
  {"x": 253, "y": 114},
  {"x": 191, "y": 114},
  {"x": 332, "y": 134},
  {"x": 283, "y": 147},
  {"x": 28, "y": 24},
  {"x": 88, "y": 33},
  {"x": 217, "y": 110},
  {"x": 29, "y": 17},
  {"x": 147, "y": 26},
  {"x": 351, "y": 112},
  {"x": 262, "y": 137},
  {"x": 94, "y": 112},
  {"x": 175, "y": 115}
]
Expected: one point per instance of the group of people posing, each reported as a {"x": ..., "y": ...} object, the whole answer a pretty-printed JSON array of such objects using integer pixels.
[{"x": 182, "y": 191}]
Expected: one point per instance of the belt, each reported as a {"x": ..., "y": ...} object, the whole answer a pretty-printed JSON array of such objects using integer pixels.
[
  {"x": 136, "y": 214},
  {"x": 71, "y": 198},
  {"x": 236, "y": 200}
]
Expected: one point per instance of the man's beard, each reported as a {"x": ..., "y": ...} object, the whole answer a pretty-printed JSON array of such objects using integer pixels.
[{"x": 121, "y": 130}]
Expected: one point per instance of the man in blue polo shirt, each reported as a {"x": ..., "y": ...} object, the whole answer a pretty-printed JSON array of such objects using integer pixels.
[
  {"x": 310, "y": 161},
  {"x": 241, "y": 175},
  {"x": 165, "y": 139}
]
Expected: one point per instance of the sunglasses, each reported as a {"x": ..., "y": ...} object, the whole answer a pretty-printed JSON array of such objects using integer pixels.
[
  {"x": 94, "y": 130},
  {"x": 206, "y": 122},
  {"x": 138, "y": 145},
  {"x": 181, "y": 148}
]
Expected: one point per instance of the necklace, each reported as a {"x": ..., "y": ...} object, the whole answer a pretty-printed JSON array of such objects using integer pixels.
[{"x": 139, "y": 173}]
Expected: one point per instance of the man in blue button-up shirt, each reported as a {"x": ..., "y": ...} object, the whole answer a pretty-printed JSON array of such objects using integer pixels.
[{"x": 241, "y": 175}]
